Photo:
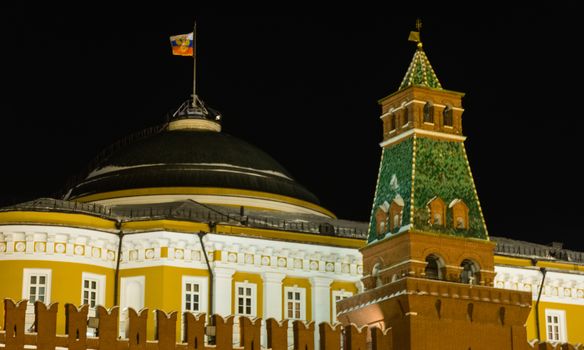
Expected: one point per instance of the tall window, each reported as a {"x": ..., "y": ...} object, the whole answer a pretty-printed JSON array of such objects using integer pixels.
[
  {"x": 338, "y": 295},
  {"x": 428, "y": 112},
  {"x": 192, "y": 297},
  {"x": 245, "y": 299},
  {"x": 555, "y": 325},
  {"x": 37, "y": 288},
  {"x": 447, "y": 113},
  {"x": 90, "y": 292},
  {"x": 194, "y": 294},
  {"x": 37, "y": 285},
  {"x": 295, "y": 303}
]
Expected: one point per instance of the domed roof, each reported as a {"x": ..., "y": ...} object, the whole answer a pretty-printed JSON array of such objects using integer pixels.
[{"x": 190, "y": 158}]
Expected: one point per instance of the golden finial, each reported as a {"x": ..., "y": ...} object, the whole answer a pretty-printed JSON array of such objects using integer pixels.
[{"x": 415, "y": 35}]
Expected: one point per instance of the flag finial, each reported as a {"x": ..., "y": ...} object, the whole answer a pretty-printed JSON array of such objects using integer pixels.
[{"x": 415, "y": 35}]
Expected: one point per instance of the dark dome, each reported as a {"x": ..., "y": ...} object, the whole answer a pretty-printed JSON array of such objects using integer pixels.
[{"x": 190, "y": 158}]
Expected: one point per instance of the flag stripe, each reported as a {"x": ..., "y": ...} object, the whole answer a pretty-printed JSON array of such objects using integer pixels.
[{"x": 182, "y": 45}]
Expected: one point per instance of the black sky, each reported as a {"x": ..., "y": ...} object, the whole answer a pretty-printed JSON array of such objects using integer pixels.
[{"x": 304, "y": 88}]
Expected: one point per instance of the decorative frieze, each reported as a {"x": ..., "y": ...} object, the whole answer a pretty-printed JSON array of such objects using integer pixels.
[
  {"x": 559, "y": 287},
  {"x": 177, "y": 249},
  {"x": 66, "y": 244}
]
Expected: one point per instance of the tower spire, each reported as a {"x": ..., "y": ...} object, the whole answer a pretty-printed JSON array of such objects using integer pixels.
[{"x": 420, "y": 71}]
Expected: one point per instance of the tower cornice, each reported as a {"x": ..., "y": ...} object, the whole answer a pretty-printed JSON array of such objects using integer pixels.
[{"x": 422, "y": 132}]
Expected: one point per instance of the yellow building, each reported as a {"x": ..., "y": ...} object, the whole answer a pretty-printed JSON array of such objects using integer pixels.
[{"x": 184, "y": 217}]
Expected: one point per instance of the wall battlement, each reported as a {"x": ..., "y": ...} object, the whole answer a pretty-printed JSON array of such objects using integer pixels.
[{"x": 217, "y": 334}]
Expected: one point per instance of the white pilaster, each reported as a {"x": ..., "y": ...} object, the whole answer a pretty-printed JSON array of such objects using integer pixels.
[
  {"x": 272, "y": 303},
  {"x": 321, "y": 303},
  {"x": 222, "y": 277}
]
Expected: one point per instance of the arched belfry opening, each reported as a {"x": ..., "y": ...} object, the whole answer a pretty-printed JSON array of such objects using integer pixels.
[
  {"x": 470, "y": 273},
  {"x": 434, "y": 267}
]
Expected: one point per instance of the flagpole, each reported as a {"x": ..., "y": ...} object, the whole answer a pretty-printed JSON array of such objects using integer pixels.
[{"x": 195, "y": 65}]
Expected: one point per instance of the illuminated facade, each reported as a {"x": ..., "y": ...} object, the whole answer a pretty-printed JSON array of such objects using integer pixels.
[{"x": 137, "y": 228}]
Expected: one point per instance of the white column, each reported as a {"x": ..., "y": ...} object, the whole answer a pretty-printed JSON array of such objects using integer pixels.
[
  {"x": 272, "y": 303},
  {"x": 222, "y": 278},
  {"x": 321, "y": 303}
]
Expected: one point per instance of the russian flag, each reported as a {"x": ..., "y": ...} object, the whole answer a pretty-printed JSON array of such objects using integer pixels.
[{"x": 182, "y": 45}]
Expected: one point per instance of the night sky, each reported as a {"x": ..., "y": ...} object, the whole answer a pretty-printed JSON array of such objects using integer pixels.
[{"x": 304, "y": 88}]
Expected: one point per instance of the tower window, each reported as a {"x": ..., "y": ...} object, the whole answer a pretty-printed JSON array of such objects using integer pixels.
[
  {"x": 437, "y": 210},
  {"x": 447, "y": 113},
  {"x": 434, "y": 267},
  {"x": 390, "y": 122},
  {"x": 470, "y": 272},
  {"x": 428, "y": 112},
  {"x": 381, "y": 220},
  {"x": 395, "y": 213},
  {"x": 395, "y": 121},
  {"x": 405, "y": 116},
  {"x": 459, "y": 214},
  {"x": 375, "y": 274}
]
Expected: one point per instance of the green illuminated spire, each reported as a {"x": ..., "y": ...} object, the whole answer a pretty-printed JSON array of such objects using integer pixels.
[{"x": 420, "y": 72}]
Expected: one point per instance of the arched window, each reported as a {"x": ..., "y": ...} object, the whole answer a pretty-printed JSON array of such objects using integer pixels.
[
  {"x": 428, "y": 112},
  {"x": 389, "y": 122},
  {"x": 447, "y": 113},
  {"x": 470, "y": 272},
  {"x": 375, "y": 274},
  {"x": 405, "y": 116},
  {"x": 395, "y": 213},
  {"x": 437, "y": 210},
  {"x": 459, "y": 214},
  {"x": 434, "y": 267},
  {"x": 381, "y": 220}
]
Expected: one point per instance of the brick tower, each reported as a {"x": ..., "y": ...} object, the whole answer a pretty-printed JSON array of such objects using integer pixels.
[{"x": 428, "y": 266}]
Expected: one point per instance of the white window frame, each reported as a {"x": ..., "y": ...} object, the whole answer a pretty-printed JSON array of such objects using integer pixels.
[
  {"x": 563, "y": 333},
  {"x": 203, "y": 283},
  {"x": 100, "y": 297},
  {"x": 302, "y": 301},
  {"x": 253, "y": 287},
  {"x": 27, "y": 274},
  {"x": 341, "y": 294},
  {"x": 125, "y": 282}
]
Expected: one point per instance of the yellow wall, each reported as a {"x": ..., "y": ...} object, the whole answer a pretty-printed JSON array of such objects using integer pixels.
[
  {"x": 300, "y": 283},
  {"x": 163, "y": 288},
  {"x": 251, "y": 278},
  {"x": 65, "y": 283},
  {"x": 574, "y": 321}
]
